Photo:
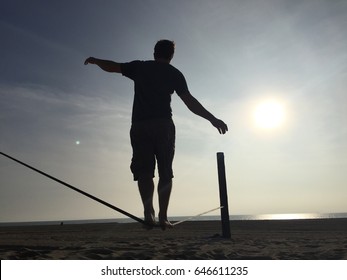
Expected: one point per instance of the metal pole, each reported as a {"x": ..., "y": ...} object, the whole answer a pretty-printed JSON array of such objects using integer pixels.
[{"x": 223, "y": 196}]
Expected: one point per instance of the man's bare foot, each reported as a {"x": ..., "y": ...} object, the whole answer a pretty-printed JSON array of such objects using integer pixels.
[
  {"x": 148, "y": 225},
  {"x": 164, "y": 223},
  {"x": 149, "y": 220}
]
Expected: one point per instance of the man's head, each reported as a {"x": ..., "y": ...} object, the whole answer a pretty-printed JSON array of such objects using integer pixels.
[{"x": 164, "y": 50}]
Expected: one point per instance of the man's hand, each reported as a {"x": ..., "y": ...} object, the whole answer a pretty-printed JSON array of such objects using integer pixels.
[
  {"x": 195, "y": 106},
  {"x": 220, "y": 125},
  {"x": 90, "y": 60},
  {"x": 106, "y": 65}
]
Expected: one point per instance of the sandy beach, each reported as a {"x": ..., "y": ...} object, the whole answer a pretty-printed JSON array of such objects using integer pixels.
[{"x": 324, "y": 239}]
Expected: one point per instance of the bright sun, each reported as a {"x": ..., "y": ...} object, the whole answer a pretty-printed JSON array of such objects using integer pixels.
[{"x": 269, "y": 114}]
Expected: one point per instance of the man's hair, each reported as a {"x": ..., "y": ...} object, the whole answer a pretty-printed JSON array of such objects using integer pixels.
[{"x": 164, "y": 49}]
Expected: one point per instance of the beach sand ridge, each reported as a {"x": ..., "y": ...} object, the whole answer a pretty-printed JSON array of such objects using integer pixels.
[{"x": 287, "y": 239}]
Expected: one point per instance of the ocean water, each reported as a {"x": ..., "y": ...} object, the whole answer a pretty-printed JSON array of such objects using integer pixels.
[{"x": 295, "y": 216}]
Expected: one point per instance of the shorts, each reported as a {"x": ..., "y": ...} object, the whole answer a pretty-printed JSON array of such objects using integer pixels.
[{"x": 153, "y": 141}]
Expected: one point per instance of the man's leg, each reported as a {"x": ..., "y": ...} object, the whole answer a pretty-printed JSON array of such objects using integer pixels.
[
  {"x": 146, "y": 188},
  {"x": 143, "y": 165},
  {"x": 164, "y": 192},
  {"x": 165, "y": 153}
]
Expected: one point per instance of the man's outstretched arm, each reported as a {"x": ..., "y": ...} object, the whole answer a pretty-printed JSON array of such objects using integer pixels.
[
  {"x": 195, "y": 106},
  {"x": 106, "y": 65}
]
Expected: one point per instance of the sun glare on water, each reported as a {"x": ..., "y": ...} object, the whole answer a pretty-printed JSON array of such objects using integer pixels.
[{"x": 269, "y": 114}]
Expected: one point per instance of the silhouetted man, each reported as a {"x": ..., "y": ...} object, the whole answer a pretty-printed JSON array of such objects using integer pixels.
[{"x": 152, "y": 131}]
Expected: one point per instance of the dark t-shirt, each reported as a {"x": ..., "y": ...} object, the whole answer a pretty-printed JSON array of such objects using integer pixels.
[{"x": 154, "y": 84}]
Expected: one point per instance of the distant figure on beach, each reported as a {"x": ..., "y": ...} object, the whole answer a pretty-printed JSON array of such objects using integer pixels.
[{"x": 152, "y": 131}]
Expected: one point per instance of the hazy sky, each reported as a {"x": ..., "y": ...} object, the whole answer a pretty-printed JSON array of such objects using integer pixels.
[{"x": 73, "y": 121}]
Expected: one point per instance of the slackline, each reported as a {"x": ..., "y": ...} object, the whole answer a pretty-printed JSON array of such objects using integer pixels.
[
  {"x": 78, "y": 190},
  {"x": 98, "y": 199},
  {"x": 192, "y": 217}
]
